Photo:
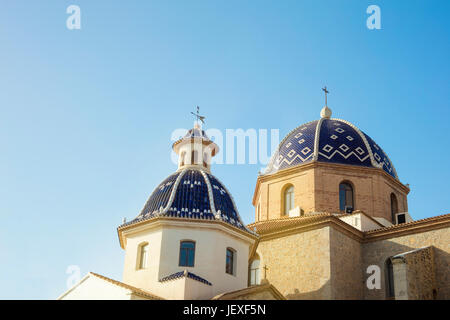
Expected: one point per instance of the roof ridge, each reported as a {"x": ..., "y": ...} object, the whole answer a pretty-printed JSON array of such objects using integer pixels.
[
  {"x": 406, "y": 224},
  {"x": 321, "y": 214},
  {"x": 126, "y": 286},
  {"x": 186, "y": 274}
]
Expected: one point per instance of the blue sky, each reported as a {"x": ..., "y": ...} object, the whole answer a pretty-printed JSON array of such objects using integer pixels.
[{"x": 86, "y": 115}]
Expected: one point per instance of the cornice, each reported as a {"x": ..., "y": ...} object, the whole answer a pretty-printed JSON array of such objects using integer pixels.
[
  {"x": 418, "y": 226},
  {"x": 302, "y": 224},
  {"x": 160, "y": 221}
]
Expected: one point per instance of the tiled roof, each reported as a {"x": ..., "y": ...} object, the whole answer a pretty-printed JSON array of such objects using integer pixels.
[
  {"x": 237, "y": 294},
  {"x": 186, "y": 274},
  {"x": 275, "y": 225},
  {"x": 267, "y": 226},
  {"x": 394, "y": 227},
  {"x": 332, "y": 141},
  {"x": 135, "y": 290},
  {"x": 191, "y": 193}
]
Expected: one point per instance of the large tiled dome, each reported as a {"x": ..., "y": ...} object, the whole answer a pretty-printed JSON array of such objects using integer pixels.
[{"x": 329, "y": 140}]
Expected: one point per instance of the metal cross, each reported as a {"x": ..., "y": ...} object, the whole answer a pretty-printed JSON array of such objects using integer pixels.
[
  {"x": 198, "y": 116},
  {"x": 326, "y": 92},
  {"x": 265, "y": 271}
]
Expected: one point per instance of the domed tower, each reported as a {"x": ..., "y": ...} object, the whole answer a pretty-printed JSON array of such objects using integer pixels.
[
  {"x": 188, "y": 242},
  {"x": 329, "y": 165}
]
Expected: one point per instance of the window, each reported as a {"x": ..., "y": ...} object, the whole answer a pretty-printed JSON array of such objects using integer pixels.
[
  {"x": 194, "y": 157},
  {"x": 230, "y": 261},
  {"x": 143, "y": 256},
  {"x": 390, "y": 291},
  {"x": 254, "y": 272},
  {"x": 394, "y": 207},
  {"x": 205, "y": 160},
  {"x": 288, "y": 199},
  {"x": 187, "y": 254},
  {"x": 345, "y": 196},
  {"x": 183, "y": 154}
]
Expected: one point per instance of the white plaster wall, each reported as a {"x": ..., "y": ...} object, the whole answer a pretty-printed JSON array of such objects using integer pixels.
[
  {"x": 93, "y": 288},
  {"x": 142, "y": 278},
  {"x": 360, "y": 222},
  {"x": 210, "y": 252}
]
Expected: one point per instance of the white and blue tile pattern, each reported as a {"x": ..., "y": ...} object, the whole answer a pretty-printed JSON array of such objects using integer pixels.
[{"x": 338, "y": 141}]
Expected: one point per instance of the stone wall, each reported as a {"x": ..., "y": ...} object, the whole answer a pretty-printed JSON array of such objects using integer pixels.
[
  {"x": 371, "y": 189},
  {"x": 414, "y": 275},
  {"x": 376, "y": 252},
  {"x": 346, "y": 260},
  {"x": 316, "y": 189},
  {"x": 298, "y": 265},
  {"x": 271, "y": 195}
]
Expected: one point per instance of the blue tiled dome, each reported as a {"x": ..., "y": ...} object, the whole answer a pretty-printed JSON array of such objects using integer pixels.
[
  {"x": 191, "y": 193},
  {"x": 329, "y": 140}
]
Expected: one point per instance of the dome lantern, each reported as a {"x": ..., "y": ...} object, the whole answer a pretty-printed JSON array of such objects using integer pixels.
[{"x": 195, "y": 149}]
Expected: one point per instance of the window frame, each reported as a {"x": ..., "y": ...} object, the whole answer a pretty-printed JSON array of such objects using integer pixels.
[
  {"x": 142, "y": 256},
  {"x": 256, "y": 271},
  {"x": 389, "y": 279},
  {"x": 352, "y": 190},
  {"x": 394, "y": 212},
  {"x": 288, "y": 189},
  {"x": 187, "y": 254},
  {"x": 233, "y": 261}
]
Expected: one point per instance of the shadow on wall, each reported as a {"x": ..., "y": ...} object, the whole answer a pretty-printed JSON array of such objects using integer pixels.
[
  {"x": 421, "y": 283},
  {"x": 377, "y": 253},
  {"x": 442, "y": 269},
  {"x": 323, "y": 293}
]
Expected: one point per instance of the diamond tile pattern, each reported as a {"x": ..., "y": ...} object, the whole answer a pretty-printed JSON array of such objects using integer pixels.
[
  {"x": 339, "y": 142},
  {"x": 381, "y": 157},
  {"x": 298, "y": 148},
  {"x": 345, "y": 141}
]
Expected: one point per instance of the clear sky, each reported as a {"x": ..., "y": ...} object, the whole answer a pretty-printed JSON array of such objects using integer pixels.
[{"x": 86, "y": 115}]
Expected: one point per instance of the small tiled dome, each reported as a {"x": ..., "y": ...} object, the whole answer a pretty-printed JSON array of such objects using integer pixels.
[
  {"x": 329, "y": 140},
  {"x": 192, "y": 193}
]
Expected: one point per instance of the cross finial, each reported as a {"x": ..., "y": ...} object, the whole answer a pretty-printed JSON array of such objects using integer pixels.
[
  {"x": 198, "y": 116},
  {"x": 265, "y": 268},
  {"x": 326, "y": 92}
]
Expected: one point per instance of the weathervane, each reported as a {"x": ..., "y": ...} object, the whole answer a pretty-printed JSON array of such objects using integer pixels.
[
  {"x": 326, "y": 92},
  {"x": 198, "y": 116}
]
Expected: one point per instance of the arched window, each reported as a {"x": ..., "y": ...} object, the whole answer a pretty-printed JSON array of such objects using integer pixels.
[
  {"x": 205, "y": 160},
  {"x": 345, "y": 196},
  {"x": 230, "y": 261},
  {"x": 288, "y": 199},
  {"x": 389, "y": 270},
  {"x": 143, "y": 256},
  {"x": 183, "y": 154},
  {"x": 394, "y": 207},
  {"x": 194, "y": 157},
  {"x": 254, "y": 272},
  {"x": 187, "y": 254}
]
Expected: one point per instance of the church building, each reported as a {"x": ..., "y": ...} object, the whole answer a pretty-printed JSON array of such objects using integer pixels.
[{"x": 331, "y": 222}]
